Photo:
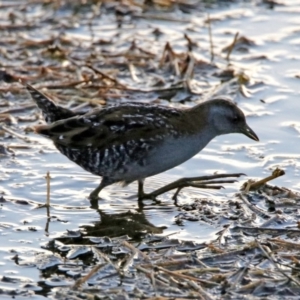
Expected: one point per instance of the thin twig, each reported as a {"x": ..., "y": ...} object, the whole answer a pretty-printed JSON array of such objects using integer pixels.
[
  {"x": 182, "y": 276},
  {"x": 132, "y": 71},
  {"x": 198, "y": 270},
  {"x": 48, "y": 188},
  {"x": 255, "y": 185},
  {"x": 241, "y": 275},
  {"x": 203, "y": 294},
  {"x": 231, "y": 46},
  {"x": 97, "y": 71},
  {"x": 221, "y": 233},
  {"x": 189, "y": 71},
  {"x": 262, "y": 248},
  {"x": 285, "y": 244},
  {"x": 212, "y": 56},
  {"x": 15, "y": 134},
  {"x": 80, "y": 281},
  {"x": 252, "y": 207},
  {"x": 136, "y": 250},
  {"x": 148, "y": 273},
  {"x": 17, "y": 109}
]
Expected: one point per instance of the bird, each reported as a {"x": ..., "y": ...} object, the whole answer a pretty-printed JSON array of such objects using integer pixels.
[{"x": 131, "y": 141}]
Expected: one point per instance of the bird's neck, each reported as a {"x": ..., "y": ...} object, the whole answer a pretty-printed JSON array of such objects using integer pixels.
[
  {"x": 199, "y": 120},
  {"x": 195, "y": 129}
]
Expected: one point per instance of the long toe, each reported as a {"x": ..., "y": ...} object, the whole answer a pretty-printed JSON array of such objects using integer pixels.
[
  {"x": 150, "y": 196},
  {"x": 205, "y": 182}
]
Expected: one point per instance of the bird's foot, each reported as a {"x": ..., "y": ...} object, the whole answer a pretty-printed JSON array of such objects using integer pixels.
[
  {"x": 143, "y": 196},
  {"x": 204, "y": 182}
]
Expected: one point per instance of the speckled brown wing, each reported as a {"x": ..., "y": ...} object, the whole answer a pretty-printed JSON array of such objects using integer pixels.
[{"x": 116, "y": 125}]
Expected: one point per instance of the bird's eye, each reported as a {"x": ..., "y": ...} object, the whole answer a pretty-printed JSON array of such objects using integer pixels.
[{"x": 235, "y": 119}]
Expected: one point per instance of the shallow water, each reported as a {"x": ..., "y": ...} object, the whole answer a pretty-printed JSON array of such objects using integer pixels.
[{"x": 272, "y": 63}]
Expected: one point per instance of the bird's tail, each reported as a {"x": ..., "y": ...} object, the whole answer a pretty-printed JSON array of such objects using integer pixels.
[{"x": 50, "y": 110}]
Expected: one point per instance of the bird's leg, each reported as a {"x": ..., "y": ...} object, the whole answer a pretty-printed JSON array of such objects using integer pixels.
[
  {"x": 142, "y": 195},
  {"x": 204, "y": 182},
  {"x": 94, "y": 195}
]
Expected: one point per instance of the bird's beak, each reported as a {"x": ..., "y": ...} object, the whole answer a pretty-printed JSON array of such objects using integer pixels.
[{"x": 250, "y": 133}]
